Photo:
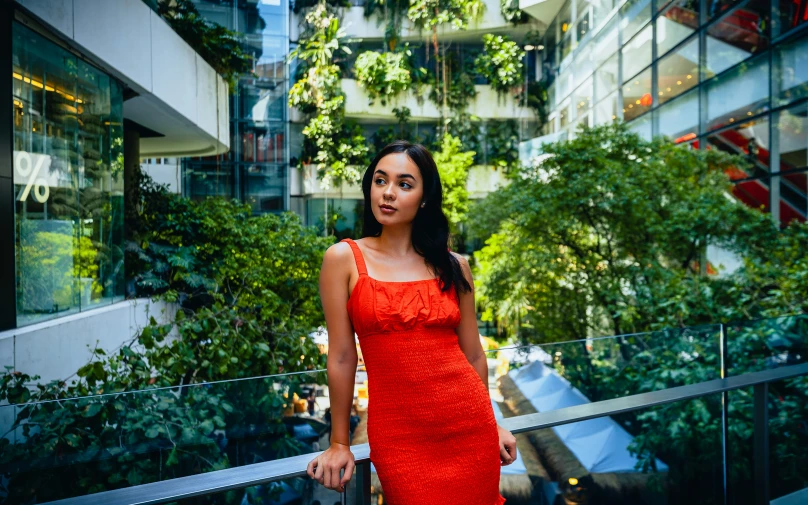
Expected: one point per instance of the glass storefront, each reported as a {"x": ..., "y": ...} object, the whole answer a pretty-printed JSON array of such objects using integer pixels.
[
  {"x": 68, "y": 181},
  {"x": 711, "y": 74}
]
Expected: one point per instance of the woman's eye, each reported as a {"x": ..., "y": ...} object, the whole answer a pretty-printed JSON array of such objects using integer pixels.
[
  {"x": 377, "y": 180},
  {"x": 407, "y": 184}
]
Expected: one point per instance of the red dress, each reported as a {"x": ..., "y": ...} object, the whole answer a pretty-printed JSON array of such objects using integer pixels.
[{"x": 431, "y": 428}]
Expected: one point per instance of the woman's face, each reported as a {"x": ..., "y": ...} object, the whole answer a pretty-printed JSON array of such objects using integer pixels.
[{"x": 396, "y": 189}]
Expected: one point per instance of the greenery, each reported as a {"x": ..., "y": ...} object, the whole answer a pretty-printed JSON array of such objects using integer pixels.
[
  {"x": 246, "y": 293},
  {"x": 501, "y": 63},
  {"x": 338, "y": 148},
  {"x": 537, "y": 100},
  {"x": 216, "y": 44},
  {"x": 383, "y": 75},
  {"x": 511, "y": 12},
  {"x": 453, "y": 165},
  {"x": 502, "y": 143}
]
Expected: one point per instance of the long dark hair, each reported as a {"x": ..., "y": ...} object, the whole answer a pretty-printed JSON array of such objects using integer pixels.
[{"x": 430, "y": 228}]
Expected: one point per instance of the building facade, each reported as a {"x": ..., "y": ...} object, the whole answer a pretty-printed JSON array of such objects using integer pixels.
[
  {"x": 256, "y": 169},
  {"x": 83, "y": 103},
  {"x": 714, "y": 74}
]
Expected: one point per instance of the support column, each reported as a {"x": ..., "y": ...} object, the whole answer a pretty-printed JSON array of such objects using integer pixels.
[
  {"x": 131, "y": 188},
  {"x": 8, "y": 279}
]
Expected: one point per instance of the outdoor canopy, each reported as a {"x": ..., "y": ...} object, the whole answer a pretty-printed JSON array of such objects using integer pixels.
[{"x": 601, "y": 445}]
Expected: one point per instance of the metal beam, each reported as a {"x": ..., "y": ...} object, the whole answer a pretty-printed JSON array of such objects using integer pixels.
[{"x": 8, "y": 279}]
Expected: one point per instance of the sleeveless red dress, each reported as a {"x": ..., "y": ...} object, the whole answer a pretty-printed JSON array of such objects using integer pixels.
[{"x": 431, "y": 427}]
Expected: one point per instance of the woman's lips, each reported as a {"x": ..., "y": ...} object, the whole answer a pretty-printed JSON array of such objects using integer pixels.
[{"x": 387, "y": 210}]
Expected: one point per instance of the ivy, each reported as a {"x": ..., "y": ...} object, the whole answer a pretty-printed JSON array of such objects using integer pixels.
[
  {"x": 502, "y": 142},
  {"x": 216, "y": 44},
  {"x": 501, "y": 63},
  {"x": 383, "y": 75}
]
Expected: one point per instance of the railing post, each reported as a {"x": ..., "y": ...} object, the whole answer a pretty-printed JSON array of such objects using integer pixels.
[
  {"x": 722, "y": 342},
  {"x": 363, "y": 483},
  {"x": 761, "y": 449}
]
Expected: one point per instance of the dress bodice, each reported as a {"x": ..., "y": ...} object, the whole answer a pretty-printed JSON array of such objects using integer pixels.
[{"x": 376, "y": 306}]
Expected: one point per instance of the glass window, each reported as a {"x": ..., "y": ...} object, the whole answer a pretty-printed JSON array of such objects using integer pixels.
[
  {"x": 262, "y": 100},
  {"x": 750, "y": 140},
  {"x": 264, "y": 187},
  {"x": 792, "y": 14},
  {"x": 678, "y": 72},
  {"x": 791, "y": 71},
  {"x": 634, "y": 14},
  {"x": 677, "y": 23},
  {"x": 737, "y": 36},
  {"x": 565, "y": 18},
  {"x": 679, "y": 119},
  {"x": 637, "y": 54},
  {"x": 564, "y": 114},
  {"x": 582, "y": 66},
  {"x": 738, "y": 93},
  {"x": 637, "y": 96},
  {"x": 68, "y": 181},
  {"x": 642, "y": 127},
  {"x": 792, "y": 130},
  {"x": 601, "y": 10},
  {"x": 582, "y": 98},
  {"x": 606, "y": 111},
  {"x": 582, "y": 25},
  {"x": 605, "y": 44},
  {"x": 606, "y": 78},
  {"x": 565, "y": 47}
]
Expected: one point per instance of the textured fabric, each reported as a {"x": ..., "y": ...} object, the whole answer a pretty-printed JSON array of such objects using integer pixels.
[{"x": 431, "y": 427}]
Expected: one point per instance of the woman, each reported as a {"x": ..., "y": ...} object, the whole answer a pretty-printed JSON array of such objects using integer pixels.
[{"x": 431, "y": 428}]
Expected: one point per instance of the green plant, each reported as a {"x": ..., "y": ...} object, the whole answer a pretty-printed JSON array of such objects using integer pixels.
[
  {"x": 216, "y": 44},
  {"x": 511, "y": 12},
  {"x": 501, "y": 63},
  {"x": 383, "y": 75},
  {"x": 502, "y": 144},
  {"x": 537, "y": 101},
  {"x": 453, "y": 165},
  {"x": 335, "y": 147}
]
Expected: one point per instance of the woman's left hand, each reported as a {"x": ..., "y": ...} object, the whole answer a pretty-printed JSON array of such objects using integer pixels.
[{"x": 507, "y": 446}]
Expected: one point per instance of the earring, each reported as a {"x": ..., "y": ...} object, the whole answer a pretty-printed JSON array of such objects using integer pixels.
[{"x": 423, "y": 203}]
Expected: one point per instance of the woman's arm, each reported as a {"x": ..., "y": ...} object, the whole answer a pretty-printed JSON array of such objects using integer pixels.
[
  {"x": 342, "y": 357},
  {"x": 468, "y": 334}
]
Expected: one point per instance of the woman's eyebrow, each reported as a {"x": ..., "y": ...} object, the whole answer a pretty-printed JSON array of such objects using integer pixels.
[{"x": 400, "y": 176}]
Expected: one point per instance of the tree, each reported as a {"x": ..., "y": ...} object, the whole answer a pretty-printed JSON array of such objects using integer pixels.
[{"x": 453, "y": 166}]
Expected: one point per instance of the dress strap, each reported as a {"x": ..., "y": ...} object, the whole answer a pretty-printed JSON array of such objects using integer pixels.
[{"x": 360, "y": 260}]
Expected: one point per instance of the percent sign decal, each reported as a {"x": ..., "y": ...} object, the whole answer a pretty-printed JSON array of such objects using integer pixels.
[{"x": 26, "y": 168}]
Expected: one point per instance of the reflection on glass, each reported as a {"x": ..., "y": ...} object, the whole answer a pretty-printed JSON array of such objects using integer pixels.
[
  {"x": 607, "y": 111},
  {"x": 582, "y": 25},
  {"x": 792, "y": 14},
  {"x": 679, "y": 119},
  {"x": 601, "y": 10},
  {"x": 633, "y": 16},
  {"x": 582, "y": 98},
  {"x": 204, "y": 179},
  {"x": 606, "y": 78},
  {"x": 605, "y": 44},
  {"x": 265, "y": 187},
  {"x": 582, "y": 66},
  {"x": 637, "y": 96},
  {"x": 677, "y": 23},
  {"x": 637, "y": 53},
  {"x": 791, "y": 126},
  {"x": 738, "y": 93},
  {"x": 749, "y": 139},
  {"x": 678, "y": 72},
  {"x": 791, "y": 71},
  {"x": 68, "y": 177},
  {"x": 737, "y": 36},
  {"x": 642, "y": 127}
]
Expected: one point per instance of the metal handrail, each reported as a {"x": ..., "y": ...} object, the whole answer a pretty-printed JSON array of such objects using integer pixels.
[{"x": 262, "y": 473}]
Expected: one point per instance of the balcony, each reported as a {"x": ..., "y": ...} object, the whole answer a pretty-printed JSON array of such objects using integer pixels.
[
  {"x": 542, "y": 10},
  {"x": 596, "y": 421},
  {"x": 487, "y": 105}
]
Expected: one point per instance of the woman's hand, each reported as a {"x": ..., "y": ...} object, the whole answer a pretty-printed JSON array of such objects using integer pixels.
[
  {"x": 507, "y": 446},
  {"x": 325, "y": 468}
]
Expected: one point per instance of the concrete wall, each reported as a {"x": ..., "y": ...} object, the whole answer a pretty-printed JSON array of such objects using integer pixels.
[
  {"x": 56, "y": 349},
  {"x": 180, "y": 95}
]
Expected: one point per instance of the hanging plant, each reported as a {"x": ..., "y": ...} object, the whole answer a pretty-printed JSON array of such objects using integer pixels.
[
  {"x": 383, "y": 75},
  {"x": 511, "y": 12},
  {"x": 502, "y": 144},
  {"x": 336, "y": 147},
  {"x": 501, "y": 63},
  {"x": 537, "y": 101}
]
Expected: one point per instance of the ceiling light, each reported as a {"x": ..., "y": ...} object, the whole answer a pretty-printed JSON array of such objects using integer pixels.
[{"x": 529, "y": 47}]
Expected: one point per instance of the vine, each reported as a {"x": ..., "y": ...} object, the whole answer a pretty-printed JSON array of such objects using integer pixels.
[
  {"x": 383, "y": 75},
  {"x": 336, "y": 146},
  {"x": 511, "y": 12}
]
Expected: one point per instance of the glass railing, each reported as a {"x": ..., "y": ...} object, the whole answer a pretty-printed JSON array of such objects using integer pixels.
[{"x": 69, "y": 448}]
